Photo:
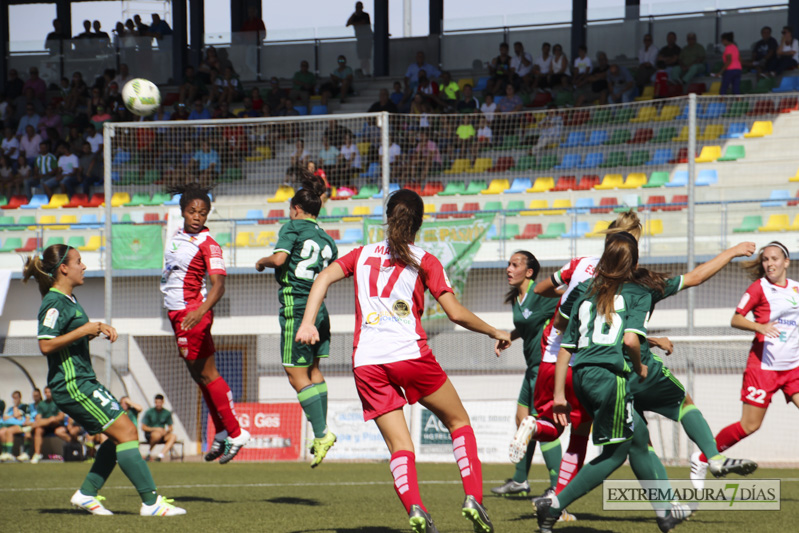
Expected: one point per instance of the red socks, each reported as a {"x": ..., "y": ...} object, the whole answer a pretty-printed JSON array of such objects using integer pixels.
[
  {"x": 222, "y": 401},
  {"x": 727, "y": 437},
  {"x": 572, "y": 460},
  {"x": 546, "y": 431},
  {"x": 403, "y": 468},
  {"x": 464, "y": 447},
  {"x": 218, "y": 425}
]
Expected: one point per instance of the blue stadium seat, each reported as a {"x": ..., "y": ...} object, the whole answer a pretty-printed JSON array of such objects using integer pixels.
[
  {"x": 120, "y": 158},
  {"x": 87, "y": 222},
  {"x": 498, "y": 99},
  {"x": 679, "y": 179},
  {"x": 597, "y": 138},
  {"x": 491, "y": 233},
  {"x": 579, "y": 229},
  {"x": 582, "y": 206},
  {"x": 593, "y": 159},
  {"x": 569, "y": 161},
  {"x": 787, "y": 84},
  {"x": 372, "y": 172},
  {"x": 319, "y": 110},
  {"x": 575, "y": 138},
  {"x": 253, "y": 216},
  {"x": 351, "y": 236},
  {"x": 519, "y": 185},
  {"x": 114, "y": 218},
  {"x": 377, "y": 212},
  {"x": 713, "y": 110},
  {"x": 736, "y": 130},
  {"x": 482, "y": 83},
  {"x": 777, "y": 198},
  {"x": 391, "y": 188},
  {"x": 36, "y": 202},
  {"x": 662, "y": 157},
  {"x": 301, "y": 109},
  {"x": 707, "y": 177},
  {"x": 175, "y": 200}
]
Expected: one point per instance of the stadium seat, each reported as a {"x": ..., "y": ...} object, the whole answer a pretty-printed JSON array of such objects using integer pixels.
[
  {"x": 30, "y": 245},
  {"x": 98, "y": 199},
  {"x": 525, "y": 162},
  {"x": 599, "y": 227},
  {"x": 657, "y": 179},
  {"x": 278, "y": 215},
  {"x": 462, "y": 82},
  {"x": 94, "y": 244},
  {"x": 11, "y": 244},
  {"x": 26, "y": 221},
  {"x": 656, "y": 202},
  {"x": 668, "y": 112},
  {"x": 777, "y": 198},
  {"x": 319, "y": 110},
  {"x": 587, "y": 182},
  {"x": 519, "y": 185},
  {"x": 593, "y": 160},
  {"x": 545, "y": 162},
  {"x": 569, "y": 161},
  {"x": 266, "y": 238},
  {"x": 565, "y": 183},
  {"x": 57, "y": 239},
  {"x": 610, "y": 181},
  {"x": 468, "y": 209},
  {"x": 446, "y": 210},
  {"x": 629, "y": 201},
  {"x": 575, "y": 138},
  {"x": 577, "y": 231},
  {"x": 502, "y": 164},
  {"x": 68, "y": 220},
  {"x": 733, "y": 153},
  {"x": 648, "y": 94},
  {"x": 763, "y": 107},
  {"x": 787, "y": 105},
  {"x": 481, "y": 164},
  {"x": 37, "y": 201},
  {"x": 709, "y": 154},
  {"x": 459, "y": 166},
  {"x": 606, "y": 205},
  {"x": 795, "y": 225},
  {"x": 662, "y": 157},
  {"x": 357, "y": 214},
  {"x": 497, "y": 186},
  {"x": 283, "y": 194},
  {"x": 223, "y": 238},
  {"x": 535, "y": 208},
  {"x": 683, "y": 136},
  {"x": 301, "y": 110},
  {"x": 760, "y": 128},
  {"x": 6, "y": 221},
  {"x": 712, "y": 111},
  {"x": 475, "y": 187},
  {"x": 514, "y": 207},
  {"x": 482, "y": 83},
  {"x": 576, "y": 117},
  {"x": 619, "y": 137},
  {"x": 372, "y": 172},
  {"x": 653, "y": 227},
  {"x": 431, "y": 188},
  {"x": 707, "y": 177},
  {"x": 776, "y": 223},
  {"x": 597, "y": 138},
  {"x": 252, "y": 217},
  {"x": 615, "y": 159},
  {"x": 601, "y": 116},
  {"x": 642, "y": 135},
  {"x": 453, "y": 188},
  {"x": 696, "y": 88},
  {"x": 554, "y": 230},
  {"x": 366, "y": 192},
  {"x": 151, "y": 217},
  {"x": 77, "y": 200},
  {"x": 561, "y": 204},
  {"x": 508, "y": 232},
  {"x": 334, "y": 234},
  {"x": 338, "y": 213},
  {"x": 638, "y": 158},
  {"x": 244, "y": 239},
  {"x": 712, "y": 132},
  {"x": 665, "y": 135},
  {"x": 737, "y": 109},
  {"x": 509, "y": 142},
  {"x": 682, "y": 156},
  {"x": 788, "y": 84},
  {"x": 795, "y": 201},
  {"x": 531, "y": 231},
  {"x": 635, "y": 180},
  {"x": 76, "y": 241},
  {"x": 542, "y": 185},
  {"x": 56, "y": 201},
  {"x": 351, "y": 236},
  {"x": 749, "y": 224},
  {"x": 363, "y": 148},
  {"x": 582, "y": 206},
  {"x": 138, "y": 199},
  {"x": 16, "y": 201}
]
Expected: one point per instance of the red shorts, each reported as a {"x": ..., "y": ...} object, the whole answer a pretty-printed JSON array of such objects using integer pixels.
[
  {"x": 544, "y": 393},
  {"x": 759, "y": 385},
  {"x": 384, "y": 388},
  {"x": 197, "y": 342}
]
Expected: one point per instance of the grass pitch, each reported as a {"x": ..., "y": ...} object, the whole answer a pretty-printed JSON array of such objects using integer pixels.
[{"x": 336, "y": 498}]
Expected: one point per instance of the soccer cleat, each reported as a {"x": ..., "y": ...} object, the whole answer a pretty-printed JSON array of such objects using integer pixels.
[
  {"x": 681, "y": 510},
  {"x": 89, "y": 503},
  {"x": 217, "y": 449},
  {"x": 320, "y": 448},
  {"x": 23, "y": 457},
  {"x": 478, "y": 515},
  {"x": 698, "y": 471},
  {"x": 566, "y": 516},
  {"x": 36, "y": 458},
  {"x": 6, "y": 457},
  {"x": 518, "y": 446},
  {"x": 233, "y": 446},
  {"x": 512, "y": 488},
  {"x": 545, "y": 520},
  {"x": 420, "y": 520},
  {"x": 722, "y": 467},
  {"x": 161, "y": 507},
  {"x": 668, "y": 523}
]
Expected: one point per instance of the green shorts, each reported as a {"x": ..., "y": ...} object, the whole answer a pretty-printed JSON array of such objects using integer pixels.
[
  {"x": 303, "y": 355},
  {"x": 88, "y": 403},
  {"x": 528, "y": 386},
  {"x": 661, "y": 392},
  {"x": 607, "y": 397}
]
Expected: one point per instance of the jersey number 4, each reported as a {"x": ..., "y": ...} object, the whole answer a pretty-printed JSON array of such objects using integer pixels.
[
  {"x": 310, "y": 258},
  {"x": 375, "y": 265}
]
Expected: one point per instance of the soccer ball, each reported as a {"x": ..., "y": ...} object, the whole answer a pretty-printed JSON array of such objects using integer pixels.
[{"x": 141, "y": 97}]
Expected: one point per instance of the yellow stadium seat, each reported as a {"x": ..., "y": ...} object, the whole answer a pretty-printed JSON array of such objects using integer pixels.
[
  {"x": 465, "y": 81},
  {"x": 542, "y": 185},
  {"x": 709, "y": 154},
  {"x": 649, "y": 94},
  {"x": 67, "y": 220},
  {"x": 683, "y": 136},
  {"x": 795, "y": 177},
  {"x": 283, "y": 194},
  {"x": 600, "y": 226},
  {"x": 56, "y": 201},
  {"x": 243, "y": 239},
  {"x": 358, "y": 213},
  {"x": 761, "y": 128},
  {"x": 635, "y": 180},
  {"x": 266, "y": 238},
  {"x": 610, "y": 181},
  {"x": 481, "y": 164},
  {"x": 795, "y": 225},
  {"x": 93, "y": 244},
  {"x": 645, "y": 114},
  {"x": 264, "y": 151},
  {"x": 776, "y": 223},
  {"x": 119, "y": 199},
  {"x": 563, "y": 202},
  {"x": 497, "y": 186},
  {"x": 668, "y": 112},
  {"x": 712, "y": 132},
  {"x": 535, "y": 206},
  {"x": 428, "y": 210},
  {"x": 715, "y": 88},
  {"x": 653, "y": 227},
  {"x": 47, "y": 219},
  {"x": 363, "y": 148},
  {"x": 459, "y": 166}
]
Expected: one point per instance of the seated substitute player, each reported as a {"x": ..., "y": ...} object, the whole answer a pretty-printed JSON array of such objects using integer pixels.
[
  {"x": 14, "y": 418},
  {"x": 392, "y": 363},
  {"x": 26, "y": 450},
  {"x": 191, "y": 255},
  {"x": 49, "y": 421},
  {"x": 157, "y": 426},
  {"x": 133, "y": 409},
  {"x": 64, "y": 335},
  {"x": 302, "y": 251}
]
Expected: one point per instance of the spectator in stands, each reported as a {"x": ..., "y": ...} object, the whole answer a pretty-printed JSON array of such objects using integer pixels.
[
  {"x": 559, "y": 71},
  {"x": 412, "y": 72},
  {"x": 23, "y": 172},
  {"x": 77, "y": 93},
  {"x": 542, "y": 67},
  {"x": 192, "y": 86},
  {"x": 468, "y": 103},
  {"x": 199, "y": 112},
  {"x": 7, "y": 175},
  {"x": 551, "y": 129},
  {"x": 49, "y": 421},
  {"x": 95, "y": 138},
  {"x": 51, "y": 119},
  {"x": 90, "y": 168},
  {"x": 425, "y": 158},
  {"x": 489, "y": 107},
  {"x": 101, "y": 116},
  {"x": 206, "y": 160},
  {"x": 500, "y": 71},
  {"x": 274, "y": 94},
  {"x": 362, "y": 25},
  {"x": 303, "y": 84},
  {"x": 14, "y": 85},
  {"x": 466, "y": 137},
  {"x": 597, "y": 86},
  {"x": 383, "y": 103},
  {"x": 670, "y": 54},
  {"x": 691, "y": 63},
  {"x": 394, "y": 153},
  {"x": 349, "y": 157},
  {"x": 369, "y": 131},
  {"x": 181, "y": 112},
  {"x": 222, "y": 111},
  {"x": 157, "y": 426},
  {"x": 521, "y": 65},
  {"x": 66, "y": 174},
  {"x": 787, "y": 54},
  {"x": 10, "y": 144},
  {"x": 647, "y": 58},
  {"x": 84, "y": 39},
  {"x": 763, "y": 53},
  {"x": 340, "y": 83},
  {"x": 14, "y": 418},
  {"x": 29, "y": 143},
  {"x": 621, "y": 86},
  {"x": 28, "y": 98},
  {"x": 143, "y": 32},
  {"x": 448, "y": 93},
  {"x": 399, "y": 98},
  {"x": 229, "y": 87},
  {"x": 75, "y": 138},
  {"x": 253, "y": 28},
  {"x": 336, "y": 133},
  {"x": 5, "y": 105},
  {"x": 53, "y": 40},
  {"x": 512, "y": 101},
  {"x": 582, "y": 67},
  {"x": 256, "y": 99},
  {"x": 36, "y": 83},
  {"x": 160, "y": 30},
  {"x": 100, "y": 36},
  {"x": 660, "y": 80},
  {"x": 328, "y": 159},
  {"x": 26, "y": 450},
  {"x": 248, "y": 111},
  {"x": 30, "y": 118},
  {"x": 427, "y": 89},
  {"x": 731, "y": 71},
  {"x": 298, "y": 159},
  {"x": 484, "y": 133}
]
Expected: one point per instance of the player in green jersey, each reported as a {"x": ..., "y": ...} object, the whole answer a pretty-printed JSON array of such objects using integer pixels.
[
  {"x": 531, "y": 313},
  {"x": 302, "y": 251},
  {"x": 64, "y": 335}
]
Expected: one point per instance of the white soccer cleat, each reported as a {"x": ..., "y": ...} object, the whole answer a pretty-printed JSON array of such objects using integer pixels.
[
  {"x": 161, "y": 507},
  {"x": 698, "y": 471},
  {"x": 23, "y": 457},
  {"x": 91, "y": 504},
  {"x": 6, "y": 457},
  {"x": 234, "y": 445},
  {"x": 518, "y": 446},
  {"x": 36, "y": 458}
]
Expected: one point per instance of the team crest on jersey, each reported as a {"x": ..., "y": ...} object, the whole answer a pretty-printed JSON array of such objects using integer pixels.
[
  {"x": 50, "y": 318},
  {"x": 526, "y": 313},
  {"x": 401, "y": 308},
  {"x": 215, "y": 250}
]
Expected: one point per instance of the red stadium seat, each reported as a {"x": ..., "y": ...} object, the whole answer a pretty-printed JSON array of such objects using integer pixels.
[
  {"x": 642, "y": 135},
  {"x": 682, "y": 157},
  {"x": 445, "y": 209},
  {"x": 502, "y": 164},
  {"x": 587, "y": 182},
  {"x": 431, "y": 188},
  {"x": 78, "y": 200},
  {"x": 655, "y": 199},
  {"x": 16, "y": 201},
  {"x": 467, "y": 211},
  {"x": 273, "y": 216},
  {"x": 97, "y": 200},
  {"x": 531, "y": 231},
  {"x": 698, "y": 88},
  {"x": 763, "y": 107},
  {"x": 415, "y": 187},
  {"x": 334, "y": 234},
  {"x": 541, "y": 99},
  {"x": 151, "y": 217},
  {"x": 566, "y": 183},
  {"x": 30, "y": 245},
  {"x": 677, "y": 199},
  {"x": 789, "y": 104},
  {"x": 794, "y": 202},
  {"x": 606, "y": 205},
  {"x": 576, "y": 117}
]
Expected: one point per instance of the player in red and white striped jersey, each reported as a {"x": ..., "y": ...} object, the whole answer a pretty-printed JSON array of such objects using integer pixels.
[
  {"x": 773, "y": 363},
  {"x": 191, "y": 254},
  {"x": 392, "y": 363}
]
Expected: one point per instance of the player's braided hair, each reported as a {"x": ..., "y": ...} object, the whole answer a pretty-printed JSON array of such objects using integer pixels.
[
  {"x": 191, "y": 191},
  {"x": 532, "y": 264},
  {"x": 755, "y": 266},
  {"x": 404, "y": 214},
  {"x": 309, "y": 197},
  {"x": 44, "y": 268}
]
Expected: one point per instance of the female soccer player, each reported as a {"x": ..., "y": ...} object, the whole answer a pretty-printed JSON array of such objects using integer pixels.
[
  {"x": 773, "y": 363},
  {"x": 64, "y": 335},
  {"x": 531, "y": 313},
  {"x": 190, "y": 255},
  {"x": 393, "y": 365},
  {"x": 303, "y": 250}
]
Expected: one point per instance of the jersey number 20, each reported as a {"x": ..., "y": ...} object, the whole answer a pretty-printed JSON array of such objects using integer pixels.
[{"x": 310, "y": 258}]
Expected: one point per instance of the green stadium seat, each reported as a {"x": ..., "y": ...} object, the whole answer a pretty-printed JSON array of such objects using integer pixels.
[
  {"x": 338, "y": 213},
  {"x": 452, "y": 188},
  {"x": 509, "y": 142},
  {"x": 158, "y": 198},
  {"x": 223, "y": 238},
  {"x": 24, "y": 222},
  {"x": 638, "y": 158},
  {"x": 749, "y": 224},
  {"x": 151, "y": 176},
  {"x": 514, "y": 207},
  {"x": 6, "y": 220},
  {"x": 601, "y": 117},
  {"x": 623, "y": 116},
  {"x": 232, "y": 174},
  {"x": 475, "y": 187},
  {"x": 657, "y": 179},
  {"x": 366, "y": 192},
  {"x": 54, "y": 240},
  {"x": 546, "y": 162},
  {"x": 11, "y": 244},
  {"x": 525, "y": 162},
  {"x": 614, "y": 159},
  {"x": 554, "y": 230},
  {"x": 737, "y": 109},
  {"x": 493, "y": 205},
  {"x": 665, "y": 135},
  {"x": 139, "y": 199},
  {"x": 76, "y": 241},
  {"x": 619, "y": 137},
  {"x": 733, "y": 153},
  {"x": 509, "y": 231}
]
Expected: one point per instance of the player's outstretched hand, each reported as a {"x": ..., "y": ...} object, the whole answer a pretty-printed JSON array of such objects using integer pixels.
[
  {"x": 260, "y": 266},
  {"x": 744, "y": 249},
  {"x": 503, "y": 340},
  {"x": 98, "y": 328},
  {"x": 561, "y": 410},
  {"x": 499, "y": 346},
  {"x": 769, "y": 330},
  {"x": 664, "y": 343},
  {"x": 307, "y": 334}
]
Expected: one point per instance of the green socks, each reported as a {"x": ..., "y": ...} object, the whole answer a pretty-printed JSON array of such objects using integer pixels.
[
  {"x": 592, "y": 474},
  {"x": 104, "y": 462},
  {"x": 134, "y": 467},
  {"x": 321, "y": 388},
  {"x": 697, "y": 430},
  {"x": 552, "y": 456},
  {"x": 8, "y": 446},
  {"x": 311, "y": 403},
  {"x": 523, "y": 466}
]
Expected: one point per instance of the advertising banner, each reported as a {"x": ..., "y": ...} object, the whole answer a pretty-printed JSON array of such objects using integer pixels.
[{"x": 276, "y": 430}]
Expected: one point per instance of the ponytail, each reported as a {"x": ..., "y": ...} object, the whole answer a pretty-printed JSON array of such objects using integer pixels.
[
  {"x": 404, "y": 214},
  {"x": 309, "y": 197},
  {"x": 189, "y": 192},
  {"x": 627, "y": 221},
  {"x": 44, "y": 268}
]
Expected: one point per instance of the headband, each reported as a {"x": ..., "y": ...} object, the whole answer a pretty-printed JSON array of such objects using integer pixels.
[
  {"x": 780, "y": 246},
  {"x": 53, "y": 270}
]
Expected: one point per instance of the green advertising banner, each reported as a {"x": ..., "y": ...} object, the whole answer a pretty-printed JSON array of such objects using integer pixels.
[
  {"x": 454, "y": 242},
  {"x": 137, "y": 247}
]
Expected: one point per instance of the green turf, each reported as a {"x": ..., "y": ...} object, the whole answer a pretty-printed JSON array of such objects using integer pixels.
[{"x": 339, "y": 498}]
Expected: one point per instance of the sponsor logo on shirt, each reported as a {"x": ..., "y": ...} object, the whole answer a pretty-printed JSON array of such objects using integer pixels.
[
  {"x": 401, "y": 308},
  {"x": 217, "y": 263},
  {"x": 526, "y": 313},
  {"x": 50, "y": 318},
  {"x": 182, "y": 341},
  {"x": 375, "y": 318}
]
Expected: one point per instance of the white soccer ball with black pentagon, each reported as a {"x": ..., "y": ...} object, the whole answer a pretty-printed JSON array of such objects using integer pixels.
[{"x": 141, "y": 97}]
